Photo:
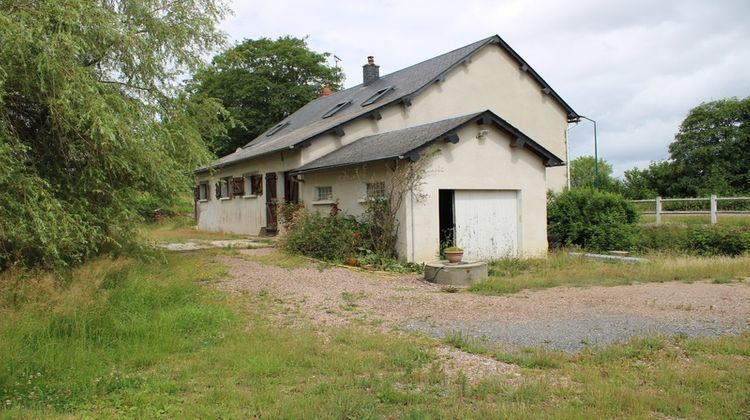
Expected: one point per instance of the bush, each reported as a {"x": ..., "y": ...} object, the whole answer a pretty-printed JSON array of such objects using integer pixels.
[
  {"x": 594, "y": 220},
  {"x": 663, "y": 238},
  {"x": 701, "y": 239},
  {"x": 719, "y": 240},
  {"x": 332, "y": 237}
]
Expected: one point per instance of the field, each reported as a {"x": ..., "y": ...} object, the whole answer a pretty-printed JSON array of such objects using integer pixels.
[{"x": 157, "y": 338}]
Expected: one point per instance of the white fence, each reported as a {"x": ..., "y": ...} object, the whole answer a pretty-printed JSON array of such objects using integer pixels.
[{"x": 713, "y": 205}]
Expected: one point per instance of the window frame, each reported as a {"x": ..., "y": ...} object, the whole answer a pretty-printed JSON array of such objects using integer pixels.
[
  {"x": 324, "y": 200},
  {"x": 380, "y": 187},
  {"x": 204, "y": 191},
  {"x": 375, "y": 97},
  {"x": 250, "y": 192},
  {"x": 225, "y": 186},
  {"x": 336, "y": 108}
]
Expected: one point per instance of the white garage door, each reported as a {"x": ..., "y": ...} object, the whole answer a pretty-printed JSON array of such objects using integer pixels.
[{"x": 486, "y": 223}]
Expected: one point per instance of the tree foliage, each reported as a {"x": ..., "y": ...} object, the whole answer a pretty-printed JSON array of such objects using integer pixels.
[
  {"x": 94, "y": 132},
  {"x": 260, "y": 82},
  {"x": 710, "y": 154},
  {"x": 585, "y": 174}
]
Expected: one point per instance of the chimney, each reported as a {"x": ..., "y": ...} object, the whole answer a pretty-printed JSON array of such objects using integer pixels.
[
  {"x": 326, "y": 90},
  {"x": 370, "y": 72}
]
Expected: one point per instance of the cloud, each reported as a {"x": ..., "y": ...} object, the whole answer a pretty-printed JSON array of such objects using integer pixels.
[{"x": 637, "y": 67}]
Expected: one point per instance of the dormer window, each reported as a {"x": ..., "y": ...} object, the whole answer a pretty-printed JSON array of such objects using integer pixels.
[
  {"x": 276, "y": 128},
  {"x": 379, "y": 94},
  {"x": 336, "y": 109}
]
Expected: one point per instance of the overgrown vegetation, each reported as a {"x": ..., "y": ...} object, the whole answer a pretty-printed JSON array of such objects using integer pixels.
[
  {"x": 121, "y": 338},
  {"x": 729, "y": 240},
  {"x": 336, "y": 238},
  {"x": 95, "y": 135},
  {"x": 593, "y": 219},
  {"x": 368, "y": 240},
  {"x": 561, "y": 269}
]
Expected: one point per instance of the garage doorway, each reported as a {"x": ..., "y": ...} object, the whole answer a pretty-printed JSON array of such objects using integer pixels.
[
  {"x": 486, "y": 223},
  {"x": 447, "y": 220}
]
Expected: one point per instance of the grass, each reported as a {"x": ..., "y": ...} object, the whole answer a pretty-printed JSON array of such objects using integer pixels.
[
  {"x": 644, "y": 377},
  {"x": 560, "y": 269},
  {"x": 128, "y": 338},
  {"x": 181, "y": 229}
]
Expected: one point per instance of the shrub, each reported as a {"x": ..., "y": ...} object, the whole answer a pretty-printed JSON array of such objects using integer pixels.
[
  {"x": 663, "y": 238},
  {"x": 701, "y": 239},
  {"x": 332, "y": 237},
  {"x": 593, "y": 219},
  {"x": 719, "y": 240}
]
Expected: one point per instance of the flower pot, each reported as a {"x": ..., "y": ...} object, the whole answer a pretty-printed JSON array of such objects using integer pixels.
[{"x": 454, "y": 257}]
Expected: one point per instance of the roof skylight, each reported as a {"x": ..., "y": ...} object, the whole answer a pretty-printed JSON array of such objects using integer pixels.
[
  {"x": 277, "y": 128},
  {"x": 338, "y": 107},
  {"x": 379, "y": 94}
]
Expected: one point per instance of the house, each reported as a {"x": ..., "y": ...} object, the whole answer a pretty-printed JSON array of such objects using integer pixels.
[{"x": 489, "y": 132}]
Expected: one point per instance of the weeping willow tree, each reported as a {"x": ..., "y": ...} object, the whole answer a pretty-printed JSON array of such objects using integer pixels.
[{"x": 94, "y": 130}]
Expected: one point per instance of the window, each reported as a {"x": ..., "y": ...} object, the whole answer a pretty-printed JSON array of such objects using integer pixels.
[
  {"x": 336, "y": 109},
  {"x": 202, "y": 193},
  {"x": 375, "y": 190},
  {"x": 276, "y": 128},
  {"x": 324, "y": 193},
  {"x": 253, "y": 185},
  {"x": 222, "y": 190},
  {"x": 379, "y": 94}
]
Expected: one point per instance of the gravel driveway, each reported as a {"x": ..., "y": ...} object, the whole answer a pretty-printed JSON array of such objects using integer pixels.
[{"x": 564, "y": 318}]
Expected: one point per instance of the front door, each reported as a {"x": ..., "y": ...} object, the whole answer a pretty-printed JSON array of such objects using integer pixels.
[{"x": 271, "y": 221}]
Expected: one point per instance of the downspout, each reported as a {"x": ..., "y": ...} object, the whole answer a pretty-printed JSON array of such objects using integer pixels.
[
  {"x": 567, "y": 159},
  {"x": 411, "y": 211}
]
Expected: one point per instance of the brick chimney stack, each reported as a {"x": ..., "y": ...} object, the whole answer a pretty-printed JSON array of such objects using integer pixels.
[
  {"x": 326, "y": 90},
  {"x": 370, "y": 72}
]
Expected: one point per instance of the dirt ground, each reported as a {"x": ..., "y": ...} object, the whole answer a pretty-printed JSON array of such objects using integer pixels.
[{"x": 563, "y": 318}]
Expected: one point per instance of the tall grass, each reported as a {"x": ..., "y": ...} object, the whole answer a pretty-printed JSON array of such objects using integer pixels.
[
  {"x": 66, "y": 345},
  {"x": 561, "y": 269}
]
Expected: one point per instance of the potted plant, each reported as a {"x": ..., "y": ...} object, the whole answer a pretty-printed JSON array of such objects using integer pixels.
[{"x": 454, "y": 254}]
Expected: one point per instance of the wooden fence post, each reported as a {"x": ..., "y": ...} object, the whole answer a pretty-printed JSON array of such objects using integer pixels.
[
  {"x": 713, "y": 209},
  {"x": 658, "y": 210}
]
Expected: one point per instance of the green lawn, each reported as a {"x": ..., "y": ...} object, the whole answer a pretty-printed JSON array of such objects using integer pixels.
[
  {"x": 560, "y": 269},
  {"x": 127, "y": 338}
]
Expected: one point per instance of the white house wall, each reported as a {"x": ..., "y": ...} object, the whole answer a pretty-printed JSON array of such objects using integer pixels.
[
  {"x": 238, "y": 214},
  {"x": 471, "y": 164}
]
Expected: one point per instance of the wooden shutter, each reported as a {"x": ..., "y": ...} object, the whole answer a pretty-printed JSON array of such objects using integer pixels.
[
  {"x": 238, "y": 185},
  {"x": 197, "y": 192},
  {"x": 218, "y": 189}
]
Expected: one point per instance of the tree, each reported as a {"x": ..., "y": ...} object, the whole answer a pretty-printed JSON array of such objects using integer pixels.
[
  {"x": 94, "y": 132},
  {"x": 262, "y": 81},
  {"x": 710, "y": 154},
  {"x": 711, "y": 150},
  {"x": 583, "y": 174}
]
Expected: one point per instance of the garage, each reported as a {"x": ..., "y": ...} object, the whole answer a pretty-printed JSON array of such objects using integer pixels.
[{"x": 485, "y": 222}]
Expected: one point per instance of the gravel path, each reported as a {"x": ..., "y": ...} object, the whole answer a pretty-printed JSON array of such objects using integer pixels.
[{"x": 564, "y": 318}]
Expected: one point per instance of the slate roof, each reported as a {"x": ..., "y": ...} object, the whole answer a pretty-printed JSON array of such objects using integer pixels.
[
  {"x": 307, "y": 122},
  {"x": 406, "y": 143}
]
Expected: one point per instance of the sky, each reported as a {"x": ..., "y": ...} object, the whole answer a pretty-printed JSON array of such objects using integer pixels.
[{"x": 636, "y": 67}]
